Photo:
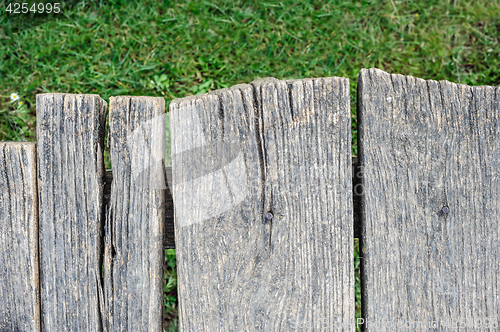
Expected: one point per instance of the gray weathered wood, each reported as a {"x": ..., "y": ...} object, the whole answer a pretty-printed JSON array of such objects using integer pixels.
[
  {"x": 133, "y": 263},
  {"x": 70, "y": 134},
  {"x": 425, "y": 145},
  {"x": 168, "y": 224},
  {"x": 19, "y": 282},
  {"x": 273, "y": 146},
  {"x": 169, "y": 238}
]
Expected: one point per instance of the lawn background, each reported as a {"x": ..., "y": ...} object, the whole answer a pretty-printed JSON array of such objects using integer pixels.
[{"x": 179, "y": 48}]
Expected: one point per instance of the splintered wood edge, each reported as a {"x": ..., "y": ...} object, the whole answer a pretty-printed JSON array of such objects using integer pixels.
[{"x": 26, "y": 151}]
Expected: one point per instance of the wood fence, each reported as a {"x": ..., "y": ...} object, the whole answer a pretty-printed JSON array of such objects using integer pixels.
[{"x": 267, "y": 201}]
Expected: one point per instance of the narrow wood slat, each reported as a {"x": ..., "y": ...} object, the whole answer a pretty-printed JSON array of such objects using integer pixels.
[
  {"x": 133, "y": 263},
  {"x": 425, "y": 145},
  {"x": 168, "y": 224},
  {"x": 274, "y": 146},
  {"x": 70, "y": 134},
  {"x": 19, "y": 282}
]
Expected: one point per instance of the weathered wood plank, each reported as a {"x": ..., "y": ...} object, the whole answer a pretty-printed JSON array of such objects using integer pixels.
[
  {"x": 168, "y": 224},
  {"x": 263, "y": 207},
  {"x": 19, "y": 282},
  {"x": 430, "y": 153},
  {"x": 70, "y": 133},
  {"x": 133, "y": 263}
]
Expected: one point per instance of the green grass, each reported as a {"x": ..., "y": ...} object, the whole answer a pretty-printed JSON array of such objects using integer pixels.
[
  {"x": 178, "y": 48},
  {"x": 170, "y": 290}
]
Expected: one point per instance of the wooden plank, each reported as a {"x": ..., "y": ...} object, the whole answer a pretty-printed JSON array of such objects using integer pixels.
[
  {"x": 70, "y": 133},
  {"x": 19, "y": 282},
  {"x": 263, "y": 207},
  {"x": 133, "y": 263},
  {"x": 430, "y": 153},
  {"x": 168, "y": 224}
]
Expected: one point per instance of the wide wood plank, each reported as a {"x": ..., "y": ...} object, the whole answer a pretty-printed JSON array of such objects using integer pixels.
[
  {"x": 70, "y": 134},
  {"x": 133, "y": 263},
  {"x": 19, "y": 282},
  {"x": 261, "y": 181},
  {"x": 430, "y": 154}
]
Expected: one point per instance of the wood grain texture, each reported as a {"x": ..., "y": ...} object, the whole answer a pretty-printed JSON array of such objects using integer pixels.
[
  {"x": 168, "y": 225},
  {"x": 272, "y": 146},
  {"x": 133, "y": 263},
  {"x": 425, "y": 145},
  {"x": 70, "y": 134},
  {"x": 19, "y": 281}
]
